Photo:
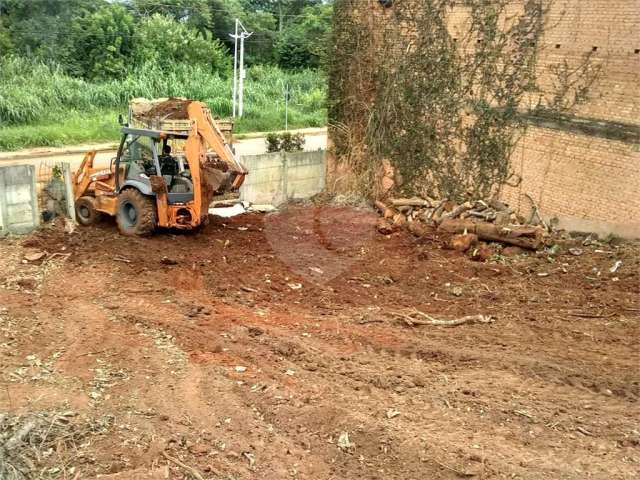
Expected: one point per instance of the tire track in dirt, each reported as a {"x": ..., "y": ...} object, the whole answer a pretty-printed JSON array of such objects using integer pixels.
[{"x": 538, "y": 394}]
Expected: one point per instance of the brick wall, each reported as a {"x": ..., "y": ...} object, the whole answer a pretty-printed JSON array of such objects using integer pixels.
[
  {"x": 588, "y": 183},
  {"x": 588, "y": 179}
]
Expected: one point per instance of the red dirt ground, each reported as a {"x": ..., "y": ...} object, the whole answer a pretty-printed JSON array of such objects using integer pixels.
[{"x": 144, "y": 337}]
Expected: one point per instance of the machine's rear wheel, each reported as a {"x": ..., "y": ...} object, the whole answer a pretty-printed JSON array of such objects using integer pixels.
[
  {"x": 86, "y": 212},
  {"x": 136, "y": 213}
]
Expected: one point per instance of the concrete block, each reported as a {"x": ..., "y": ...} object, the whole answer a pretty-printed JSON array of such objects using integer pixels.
[
  {"x": 18, "y": 199},
  {"x": 275, "y": 178}
]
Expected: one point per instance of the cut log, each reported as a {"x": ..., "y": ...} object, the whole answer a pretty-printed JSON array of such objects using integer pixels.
[
  {"x": 486, "y": 214},
  {"x": 463, "y": 242},
  {"x": 426, "y": 214},
  {"x": 387, "y": 212},
  {"x": 524, "y": 237},
  {"x": 410, "y": 202},
  {"x": 480, "y": 205},
  {"x": 459, "y": 210},
  {"x": 524, "y": 231},
  {"x": 457, "y": 226},
  {"x": 438, "y": 211},
  {"x": 527, "y": 237},
  {"x": 399, "y": 219},
  {"x": 419, "y": 229},
  {"x": 385, "y": 227}
]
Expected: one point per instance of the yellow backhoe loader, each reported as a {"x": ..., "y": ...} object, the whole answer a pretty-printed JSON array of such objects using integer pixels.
[{"x": 170, "y": 164}]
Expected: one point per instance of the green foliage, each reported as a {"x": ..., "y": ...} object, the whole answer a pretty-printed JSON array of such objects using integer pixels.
[
  {"x": 284, "y": 142},
  {"x": 6, "y": 45},
  {"x": 273, "y": 142},
  {"x": 40, "y": 28},
  {"x": 284, "y": 11},
  {"x": 260, "y": 48},
  {"x": 303, "y": 43},
  {"x": 103, "y": 42},
  {"x": 98, "y": 39},
  {"x": 162, "y": 40},
  {"x": 196, "y": 13}
]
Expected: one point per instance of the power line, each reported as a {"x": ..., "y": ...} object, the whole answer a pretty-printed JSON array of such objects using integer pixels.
[{"x": 66, "y": 33}]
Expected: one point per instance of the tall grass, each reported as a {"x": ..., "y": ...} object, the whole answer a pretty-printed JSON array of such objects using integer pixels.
[
  {"x": 34, "y": 95},
  {"x": 72, "y": 128}
]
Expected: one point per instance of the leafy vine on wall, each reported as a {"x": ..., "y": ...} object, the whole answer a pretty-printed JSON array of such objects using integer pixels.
[{"x": 444, "y": 109}]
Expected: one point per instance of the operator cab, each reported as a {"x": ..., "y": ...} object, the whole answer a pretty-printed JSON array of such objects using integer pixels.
[{"x": 139, "y": 159}]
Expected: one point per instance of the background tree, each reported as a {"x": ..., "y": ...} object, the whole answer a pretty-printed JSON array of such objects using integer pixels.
[
  {"x": 304, "y": 42},
  {"x": 39, "y": 28},
  {"x": 102, "y": 43},
  {"x": 260, "y": 49},
  {"x": 6, "y": 45},
  {"x": 163, "y": 40},
  {"x": 284, "y": 10},
  {"x": 196, "y": 13},
  {"x": 71, "y": 33}
]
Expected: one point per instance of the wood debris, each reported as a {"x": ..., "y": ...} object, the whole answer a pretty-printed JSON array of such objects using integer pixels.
[
  {"x": 468, "y": 222},
  {"x": 411, "y": 319},
  {"x": 192, "y": 471}
]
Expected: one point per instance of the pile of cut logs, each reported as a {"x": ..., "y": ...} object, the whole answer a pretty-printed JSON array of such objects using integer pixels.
[{"x": 469, "y": 222}]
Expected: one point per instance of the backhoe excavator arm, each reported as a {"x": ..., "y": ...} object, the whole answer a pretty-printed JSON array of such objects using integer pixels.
[{"x": 208, "y": 130}]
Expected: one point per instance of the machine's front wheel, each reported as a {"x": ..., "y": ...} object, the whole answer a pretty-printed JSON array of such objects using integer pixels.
[
  {"x": 136, "y": 214},
  {"x": 86, "y": 212}
]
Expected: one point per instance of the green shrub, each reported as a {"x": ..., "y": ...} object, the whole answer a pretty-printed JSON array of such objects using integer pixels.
[
  {"x": 273, "y": 142},
  {"x": 285, "y": 142}
]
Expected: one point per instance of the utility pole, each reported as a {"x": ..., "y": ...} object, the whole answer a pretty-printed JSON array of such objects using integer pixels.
[
  {"x": 235, "y": 67},
  {"x": 241, "y": 79},
  {"x": 238, "y": 68},
  {"x": 287, "y": 95}
]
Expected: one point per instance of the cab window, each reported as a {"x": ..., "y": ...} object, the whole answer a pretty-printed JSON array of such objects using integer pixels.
[{"x": 138, "y": 150}]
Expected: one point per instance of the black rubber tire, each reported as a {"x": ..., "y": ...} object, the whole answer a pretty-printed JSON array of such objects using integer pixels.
[
  {"x": 86, "y": 213},
  {"x": 136, "y": 213}
]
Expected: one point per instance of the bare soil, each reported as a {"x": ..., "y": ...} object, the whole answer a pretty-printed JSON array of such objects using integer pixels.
[
  {"x": 171, "y": 108},
  {"x": 267, "y": 347}
]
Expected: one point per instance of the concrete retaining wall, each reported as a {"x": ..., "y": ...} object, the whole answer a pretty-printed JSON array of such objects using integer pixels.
[
  {"x": 275, "y": 178},
  {"x": 19, "y": 211}
]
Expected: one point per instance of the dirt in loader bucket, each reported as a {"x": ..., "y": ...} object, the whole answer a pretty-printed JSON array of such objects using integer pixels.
[{"x": 161, "y": 109}]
